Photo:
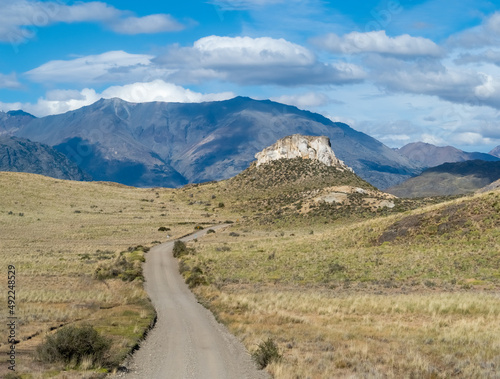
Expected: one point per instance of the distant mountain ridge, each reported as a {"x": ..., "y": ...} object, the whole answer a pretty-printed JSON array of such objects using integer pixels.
[
  {"x": 449, "y": 179},
  {"x": 495, "y": 152},
  {"x": 171, "y": 144},
  {"x": 22, "y": 155},
  {"x": 428, "y": 155}
]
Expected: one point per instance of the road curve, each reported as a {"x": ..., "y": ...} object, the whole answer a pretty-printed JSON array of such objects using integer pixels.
[{"x": 186, "y": 342}]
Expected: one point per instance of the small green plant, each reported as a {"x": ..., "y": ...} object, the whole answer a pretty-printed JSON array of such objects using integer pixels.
[
  {"x": 210, "y": 231},
  {"x": 221, "y": 205},
  {"x": 266, "y": 353},
  {"x": 198, "y": 227},
  {"x": 163, "y": 229},
  {"x": 73, "y": 344}
]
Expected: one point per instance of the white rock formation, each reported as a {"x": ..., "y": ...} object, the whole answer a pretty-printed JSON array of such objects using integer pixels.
[{"x": 305, "y": 147}]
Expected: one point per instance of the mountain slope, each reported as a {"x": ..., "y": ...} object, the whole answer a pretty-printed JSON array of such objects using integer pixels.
[
  {"x": 449, "y": 179},
  {"x": 11, "y": 121},
  {"x": 170, "y": 144},
  {"x": 428, "y": 155},
  {"x": 21, "y": 155},
  {"x": 495, "y": 152}
]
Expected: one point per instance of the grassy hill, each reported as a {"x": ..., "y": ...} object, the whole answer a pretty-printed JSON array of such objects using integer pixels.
[
  {"x": 449, "y": 179},
  {"x": 408, "y": 295}
]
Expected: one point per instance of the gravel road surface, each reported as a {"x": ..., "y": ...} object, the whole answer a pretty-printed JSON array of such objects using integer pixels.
[{"x": 186, "y": 342}]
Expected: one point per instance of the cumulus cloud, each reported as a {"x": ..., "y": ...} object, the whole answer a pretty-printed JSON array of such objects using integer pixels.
[
  {"x": 426, "y": 77},
  {"x": 486, "y": 34},
  {"x": 19, "y": 19},
  {"x": 487, "y": 56},
  {"x": 60, "y": 101},
  {"x": 246, "y": 60},
  {"x": 305, "y": 100},
  {"x": 110, "y": 66},
  {"x": 378, "y": 42}
]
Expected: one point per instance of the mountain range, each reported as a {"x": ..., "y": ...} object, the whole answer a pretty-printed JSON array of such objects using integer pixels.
[
  {"x": 427, "y": 155},
  {"x": 171, "y": 144}
]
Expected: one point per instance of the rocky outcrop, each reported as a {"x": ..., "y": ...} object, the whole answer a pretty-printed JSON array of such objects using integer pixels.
[{"x": 305, "y": 147}]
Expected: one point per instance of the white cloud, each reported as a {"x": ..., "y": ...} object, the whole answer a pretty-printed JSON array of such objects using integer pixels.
[
  {"x": 246, "y": 60},
  {"x": 487, "y": 56},
  {"x": 110, "y": 66},
  {"x": 20, "y": 19},
  {"x": 378, "y": 42},
  {"x": 158, "y": 90},
  {"x": 229, "y": 5},
  {"x": 220, "y": 51},
  {"x": 60, "y": 101},
  {"x": 486, "y": 34},
  {"x": 155, "y": 23},
  {"x": 304, "y": 100},
  {"x": 9, "y": 81}
]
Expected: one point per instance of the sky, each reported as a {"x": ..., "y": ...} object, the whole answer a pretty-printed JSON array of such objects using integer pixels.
[{"x": 401, "y": 71}]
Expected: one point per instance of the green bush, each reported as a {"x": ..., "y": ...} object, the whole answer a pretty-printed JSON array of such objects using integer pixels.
[
  {"x": 180, "y": 249},
  {"x": 196, "y": 277},
  {"x": 209, "y": 231},
  {"x": 267, "y": 352},
  {"x": 72, "y": 344}
]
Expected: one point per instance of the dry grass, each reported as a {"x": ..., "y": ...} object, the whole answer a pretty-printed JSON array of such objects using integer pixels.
[
  {"x": 341, "y": 304},
  {"x": 57, "y": 232},
  {"x": 326, "y": 335}
]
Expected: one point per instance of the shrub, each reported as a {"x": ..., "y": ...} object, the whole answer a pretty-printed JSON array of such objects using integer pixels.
[
  {"x": 180, "y": 249},
  {"x": 163, "y": 229},
  {"x": 267, "y": 352},
  {"x": 196, "y": 277},
  {"x": 234, "y": 234},
  {"x": 221, "y": 205},
  {"x": 73, "y": 344},
  {"x": 209, "y": 231},
  {"x": 120, "y": 268},
  {"x": 198, "y": 227}
]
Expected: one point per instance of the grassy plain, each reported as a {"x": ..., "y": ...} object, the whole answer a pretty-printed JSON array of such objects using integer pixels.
[
  {"x": 57, "y": 233},
  {"x": 345, "y": 291}
]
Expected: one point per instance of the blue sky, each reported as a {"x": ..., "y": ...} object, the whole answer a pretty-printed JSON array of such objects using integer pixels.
[{"x": 402, "y": 71}]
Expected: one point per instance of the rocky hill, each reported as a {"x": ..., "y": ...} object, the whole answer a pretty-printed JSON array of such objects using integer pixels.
[
  {"x": 304, "y": 147},
  {"x": 300, "y": 175},
  {"x": 21, "y": 155},
  {"x": 428, "y": 155},
  {"x": 449, "y": 179},
  {"x": 171, "y": 144}
]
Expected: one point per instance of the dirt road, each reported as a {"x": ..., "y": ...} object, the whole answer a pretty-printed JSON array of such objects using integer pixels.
[{"x": 186, "y": 342}]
